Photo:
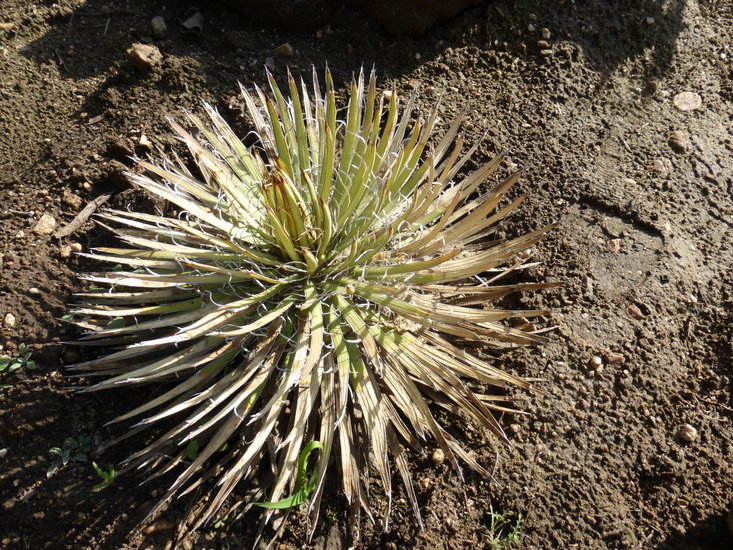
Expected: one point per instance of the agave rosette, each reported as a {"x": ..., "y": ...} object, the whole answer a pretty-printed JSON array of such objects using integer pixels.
[{"x": 311, "y": 287}]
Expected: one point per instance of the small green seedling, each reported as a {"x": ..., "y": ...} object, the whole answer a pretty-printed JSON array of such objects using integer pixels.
[
  {"x": 73, "y": 449},
  {"x": 192, "y": 449},
  {"x": 108, "y": 478},
  {"x": 117, "y": 322},
  {"x": 23, "y": 360},
  {"x": 303, "y": 488},
  {"x": 220, "y": 521},
  {"x": 503, "y": 533}
]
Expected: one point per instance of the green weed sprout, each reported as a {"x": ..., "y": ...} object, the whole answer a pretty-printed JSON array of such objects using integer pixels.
[
  {"x": 23, "y": 360},
  {"x": 108, "y": 478},
  {"x": 73, "y": 449}
]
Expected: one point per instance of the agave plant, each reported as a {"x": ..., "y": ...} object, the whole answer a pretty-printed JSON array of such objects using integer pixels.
[{"x": 317, "y": 285}]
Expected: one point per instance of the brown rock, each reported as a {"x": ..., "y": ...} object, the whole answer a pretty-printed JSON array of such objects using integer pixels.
[
  {"x": 634, "y": 311},
  {"x": 284, "y": 13},
  {"x": 121, "y": 149},
  {"x": 687, "y": 433},
  {"x": 284, "y": 50},
  {"x": 413, "y": 17},
  {"x": 612, "y": 358},
  {"x": 144, "y": 56}
]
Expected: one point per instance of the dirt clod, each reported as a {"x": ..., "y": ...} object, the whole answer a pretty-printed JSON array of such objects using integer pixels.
[{"x": 72, "y": 199}]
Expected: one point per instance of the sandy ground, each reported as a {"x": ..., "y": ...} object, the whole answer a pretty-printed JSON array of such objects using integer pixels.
[{"x": 638, "y": 177}]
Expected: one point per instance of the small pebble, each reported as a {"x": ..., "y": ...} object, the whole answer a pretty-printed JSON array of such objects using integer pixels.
[
  {"x": 145, "y": 142},
  {"x": 284, "y": 50},
  {"x": 546, "y": 34},
  {"x": 45, "y": 225},
  {"x": 543, "y": 44},
  {"x": 144, "y": 57},
  {"x": 595, "y": 362},
  {"x": 158, "y": 28},
  {"x": 679, "y": 141},
  {"x": 3, "y": 453},
  {"x": 614, "y": 245},
  {"x": 75, "y": 247},
  {"x": 9, "y": 320},
  {"x": 514, "y": 476},
  {"x": 687, "y": 433},
  {"x": 438, "y": 457},
  {"x": 546, "y": 53},
  {"x": 634, "y": 311},
  {"x": 687, "y": 101},
  {"x": 34, "y": 290},
  {"x": 65, "y": 251},
  {"x": 515, "y": 428}
]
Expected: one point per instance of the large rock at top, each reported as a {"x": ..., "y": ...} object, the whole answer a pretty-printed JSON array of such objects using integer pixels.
[
  {"x": 413, "y": 17},
  {"x": 286, "y": 13},
  {"x": 395, "y": 16}
]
